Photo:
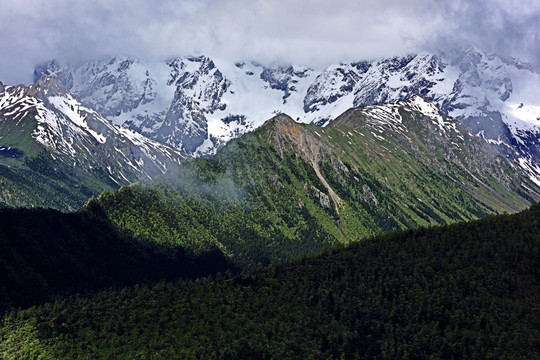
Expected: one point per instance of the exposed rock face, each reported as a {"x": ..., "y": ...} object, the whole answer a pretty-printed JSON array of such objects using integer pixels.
[
  {"x": 283, "y": 79},
  {"x": 198, "y": 92},
  {"x": 286, "y": 132}
]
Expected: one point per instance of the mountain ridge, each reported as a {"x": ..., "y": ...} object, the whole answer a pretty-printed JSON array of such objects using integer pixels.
[
  {"x": 283, "y": 191},
  {"x": 289, "y": 187},
  {"x": 46, "y": 129}
]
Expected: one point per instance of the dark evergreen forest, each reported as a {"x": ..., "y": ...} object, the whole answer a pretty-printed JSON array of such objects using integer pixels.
[{"x": 467, "y": 290}]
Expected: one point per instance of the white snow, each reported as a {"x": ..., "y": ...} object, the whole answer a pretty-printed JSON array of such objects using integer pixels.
[
  {"x": 532, "y": 169},
  {"x": 523, "y": 117},
  {"x": 75, "y": 113}
]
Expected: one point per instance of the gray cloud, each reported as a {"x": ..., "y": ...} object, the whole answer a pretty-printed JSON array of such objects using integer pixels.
[
  {"x": 504, "y": 27},
  {"x": 316, "y": 33}
]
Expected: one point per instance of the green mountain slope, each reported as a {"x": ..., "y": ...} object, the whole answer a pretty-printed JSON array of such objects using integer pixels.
[
  {"x": 467, "y": 290},
  {"x": 279, "y": 193},
  {"x": 41, "y": 182},
  {"x": 289, "y": 189}
]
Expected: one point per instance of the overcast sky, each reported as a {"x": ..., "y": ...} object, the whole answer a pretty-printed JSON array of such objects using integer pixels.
[{"x": 311, "y": 32}]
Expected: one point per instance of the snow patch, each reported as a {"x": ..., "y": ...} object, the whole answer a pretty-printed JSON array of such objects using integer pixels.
[
  {"x": 77, "y": 114},
  {"x": 527, "y": 115}
]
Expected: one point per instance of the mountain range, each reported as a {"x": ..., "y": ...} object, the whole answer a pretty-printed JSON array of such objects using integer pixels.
[{"x": 197, "y": 104}]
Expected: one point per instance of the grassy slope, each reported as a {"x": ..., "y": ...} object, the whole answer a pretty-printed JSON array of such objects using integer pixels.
[
  {"x": 23, "y": 186},
  {"x": 32, "y": 178}
]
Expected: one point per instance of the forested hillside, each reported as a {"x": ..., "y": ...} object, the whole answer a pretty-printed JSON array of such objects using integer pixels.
[
  {"x": 46, "y": 254},
  {"x": 290, "y": 189},
  {"x": 40, "y": 182},
  {"x": 468, "y": 290}
]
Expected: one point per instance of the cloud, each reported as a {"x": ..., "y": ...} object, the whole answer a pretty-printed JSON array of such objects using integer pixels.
[
  {"x": 503, "y": 27},
  {"x": 316, "y": 33}
]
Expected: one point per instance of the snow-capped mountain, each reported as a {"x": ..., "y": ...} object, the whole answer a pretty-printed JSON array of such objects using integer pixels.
[
  {"x": 45, "y": 118},
  {"x": 197, "y": 104},
  {"x": 194, "y": 104}
]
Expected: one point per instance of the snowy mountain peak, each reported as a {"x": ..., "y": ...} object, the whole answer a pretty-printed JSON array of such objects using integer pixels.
[
  {"x": 422, "y": 105},
  {"x": 284, "y": 78},
  {"x": 400, "y": 116}
]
